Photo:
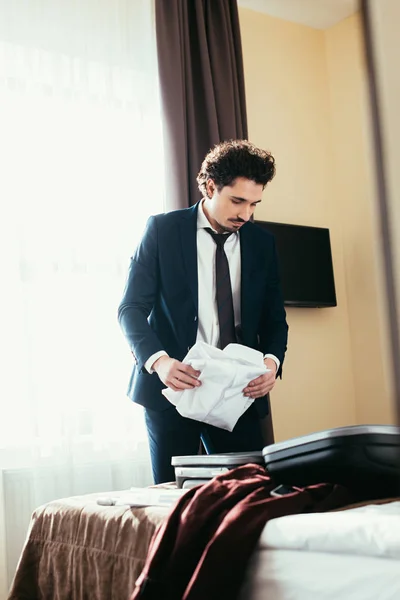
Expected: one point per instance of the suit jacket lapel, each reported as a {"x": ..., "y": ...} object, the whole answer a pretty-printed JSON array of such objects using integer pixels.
[
  {"x": 188, "y": 236},
  {"x": 249, "y": 266}
]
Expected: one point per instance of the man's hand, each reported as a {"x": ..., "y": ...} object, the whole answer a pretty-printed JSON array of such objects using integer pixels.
[
  {"x": 264, "y": 383},
  {"x": 176, "y": 375}
]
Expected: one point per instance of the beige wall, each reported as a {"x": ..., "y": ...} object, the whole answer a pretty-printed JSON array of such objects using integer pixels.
[{"x": 294, "y": 109}]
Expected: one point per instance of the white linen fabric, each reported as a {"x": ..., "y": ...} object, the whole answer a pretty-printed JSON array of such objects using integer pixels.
[
  {"x": 352, "y": 555},
  {"x": 372, "y": 530},
  {"x": 219, "y": 400},
  {"x": 296, "y": 575}
]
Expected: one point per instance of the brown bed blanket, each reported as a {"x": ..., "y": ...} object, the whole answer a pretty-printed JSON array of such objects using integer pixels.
[{"x": 76, "y": 550}]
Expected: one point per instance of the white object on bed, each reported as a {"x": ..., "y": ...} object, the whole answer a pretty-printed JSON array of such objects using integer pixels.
[
  {"x": 346, "y": 555},
  {"x": 297, "y": 575},
  {"x": 372, "y": 530},
  {"x": 139, "y": 497}
]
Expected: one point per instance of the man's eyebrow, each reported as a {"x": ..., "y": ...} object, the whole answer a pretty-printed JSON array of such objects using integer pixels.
[{"x": 244, "y": 200}]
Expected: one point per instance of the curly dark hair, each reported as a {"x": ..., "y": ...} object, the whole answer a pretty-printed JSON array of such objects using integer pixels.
[{"x": 232, "y": 159}]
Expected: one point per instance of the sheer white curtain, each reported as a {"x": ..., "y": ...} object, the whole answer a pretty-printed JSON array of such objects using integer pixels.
[{"x": 81, "y": 170}]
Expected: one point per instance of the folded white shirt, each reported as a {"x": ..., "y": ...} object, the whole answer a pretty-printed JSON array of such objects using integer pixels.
[
  {"x": 219, "y": 400},
  {"x": 138, "y": 497}
]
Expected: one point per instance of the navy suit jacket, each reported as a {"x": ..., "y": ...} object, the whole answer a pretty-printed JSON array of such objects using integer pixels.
[{"x": 159, "y": 307}]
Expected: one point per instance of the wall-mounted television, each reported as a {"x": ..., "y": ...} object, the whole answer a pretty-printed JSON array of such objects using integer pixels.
[{"x": 305, "y": 261}]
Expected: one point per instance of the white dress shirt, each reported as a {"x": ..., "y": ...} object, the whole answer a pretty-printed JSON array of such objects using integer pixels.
[
  {"x": 208, "y": 329},
  {"x": 208, "y": 326}
]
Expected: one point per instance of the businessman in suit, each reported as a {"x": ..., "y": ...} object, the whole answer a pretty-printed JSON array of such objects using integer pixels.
[{"x": 205, "y": 273}]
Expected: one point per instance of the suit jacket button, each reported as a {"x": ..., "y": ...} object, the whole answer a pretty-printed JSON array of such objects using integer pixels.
[{"x": 195, "y": 318}]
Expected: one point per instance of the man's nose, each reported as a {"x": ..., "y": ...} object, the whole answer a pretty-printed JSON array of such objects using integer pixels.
[{"x": 245, "y": 213}]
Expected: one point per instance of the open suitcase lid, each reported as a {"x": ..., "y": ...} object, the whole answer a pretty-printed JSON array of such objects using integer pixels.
[
  {"x": 390, "y": 432},
  {"x": 230, "y": 459}
]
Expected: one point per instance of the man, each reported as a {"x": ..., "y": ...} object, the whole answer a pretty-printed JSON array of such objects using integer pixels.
[{"x": 186, "y": 284}]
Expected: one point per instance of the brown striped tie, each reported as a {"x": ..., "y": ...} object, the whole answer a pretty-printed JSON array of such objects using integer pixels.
[{"x": 226, "y": 315}]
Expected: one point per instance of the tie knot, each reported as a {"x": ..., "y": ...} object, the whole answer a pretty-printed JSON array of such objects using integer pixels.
[{"x": 219, "y": 238}]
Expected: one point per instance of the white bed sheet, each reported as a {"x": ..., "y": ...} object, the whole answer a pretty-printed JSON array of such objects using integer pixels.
[
  {"x": 345, "y": 555},
  {"x": 372, "y": 530},
  {"x": 299, "y": 575}
]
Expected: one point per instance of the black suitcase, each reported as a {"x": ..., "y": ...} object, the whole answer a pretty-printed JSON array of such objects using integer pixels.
[{"x": 364, "y": 458}]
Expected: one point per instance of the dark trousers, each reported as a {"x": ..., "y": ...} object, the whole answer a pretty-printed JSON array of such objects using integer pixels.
[{"x": 170, "y": 434}]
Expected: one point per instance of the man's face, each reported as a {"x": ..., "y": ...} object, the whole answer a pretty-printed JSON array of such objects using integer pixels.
[{"x": 230, "y": 208}]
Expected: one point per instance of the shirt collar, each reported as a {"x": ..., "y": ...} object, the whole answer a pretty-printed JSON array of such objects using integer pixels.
[{"x": 203, "y": 222}]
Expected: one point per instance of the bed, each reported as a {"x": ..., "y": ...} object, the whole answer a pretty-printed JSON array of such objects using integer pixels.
[
  {"x": 76, "y": 549},
  {"x": 351, "y": 554}
]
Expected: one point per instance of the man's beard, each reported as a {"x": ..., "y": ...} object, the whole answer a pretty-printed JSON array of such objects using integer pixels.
[{"x": 231, "y": 228}]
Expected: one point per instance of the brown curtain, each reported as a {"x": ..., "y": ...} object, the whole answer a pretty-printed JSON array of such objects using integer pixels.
[{"x": 202, "y": 87}]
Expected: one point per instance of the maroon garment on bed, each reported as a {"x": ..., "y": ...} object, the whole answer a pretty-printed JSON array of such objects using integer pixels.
[{"x": 202, "y": 549}]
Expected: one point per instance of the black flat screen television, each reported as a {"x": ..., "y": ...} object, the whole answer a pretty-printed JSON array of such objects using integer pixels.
[{"x": 305, "y": 262}]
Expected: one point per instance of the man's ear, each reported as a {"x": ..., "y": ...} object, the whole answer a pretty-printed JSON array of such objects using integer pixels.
[{"x": 210, "y": 187}]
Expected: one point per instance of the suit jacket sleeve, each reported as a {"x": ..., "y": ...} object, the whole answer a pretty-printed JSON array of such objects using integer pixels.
[
  {"x": 139, "y": 297},
  {"x": 274, "y": 329}
]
